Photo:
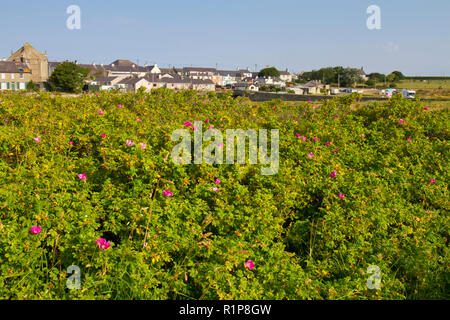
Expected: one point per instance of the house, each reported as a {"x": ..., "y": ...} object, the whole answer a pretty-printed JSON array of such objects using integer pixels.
[
  {"x": 313, "y": 87},
  {"x": 14, "y": 76},
  {"x": 108, "y": 83},
  {"x": 199, "y": 73},
  {"x": 203, "y": 85},
  {"x": 271, "y": 81},
  {"x": 134, "y": 83},
  {"x": 363, "y": 75},
  {"x": 286, "y": 76},
  {"x": 242, "y": 86},
  {"x": 37, "y": 62}
]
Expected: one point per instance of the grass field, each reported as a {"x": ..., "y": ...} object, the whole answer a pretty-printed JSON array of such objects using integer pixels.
[{"x": 424, "y": 84}]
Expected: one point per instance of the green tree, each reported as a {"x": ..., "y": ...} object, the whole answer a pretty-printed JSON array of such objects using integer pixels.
[
  {"x": 398, "y": 75},
  {"x": 31, "y": 86},
  {"x": 350, "y": 76},
  {"x": 269, "y": 72},
  {"x": 377, "y": 77},
  {"x": 68, "y": 77}
]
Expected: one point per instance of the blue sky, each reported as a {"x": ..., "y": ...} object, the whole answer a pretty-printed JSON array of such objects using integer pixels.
[{"x": 295, "y": 34}]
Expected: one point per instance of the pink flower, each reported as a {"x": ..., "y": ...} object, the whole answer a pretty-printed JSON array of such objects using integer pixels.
[
  {"x": 100, "y": 112},
  {"x": 220, "y": 145},
  {"x": 103, "y": 135},
  {"x": 215, "y": 189},
  {"x": 217, "y": 181},
  {"x": 211, "y": 127},
  {"x": 401, "y": 121},
  {"x": 207, "y": 120},
  {"x": 333, "y": 174},
  {"x": 249, "y": 264},
  {"x": 432, "y": 180},
  {"x": 275, "y": 108},
  {"x": 130, "y": 143},
  {"x": 120, "y": 106},
  {"x": 187, "y": 124},
  {"x": 341, "y": 195},
  {"x": 102, "y": 244},
  {"x": 328, "y": 144},
  {"x": 309, "y": 101},
  {"x": 316, "y": 139},
  {"x": 167, "y": 193},
  {"x": 35, "y": 229},
  {"x": 311, "y": 155},
  {"x": 363, "y": 136},
  {"x": 409, "y": 140},
  {"x": 426, "y": 108},
  {"x": 298, "y": 135},
  {"x": 37, "y": 139},
  {"x": 195, "y": 128},
  {"x": 82, "y": 176},
  {"x": 335, "y": 118},
  {"x": 143, "y": 146},
  {"x": 71, "y": 142},
  {"x": 139, "y": 119}
]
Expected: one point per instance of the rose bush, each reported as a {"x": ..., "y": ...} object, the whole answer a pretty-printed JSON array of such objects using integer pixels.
[{"x": 100, "y": 187}]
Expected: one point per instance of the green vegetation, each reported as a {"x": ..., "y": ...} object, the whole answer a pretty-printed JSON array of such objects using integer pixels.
[
  {"x": 68, "y": 77},
  {"x": 269, "y": 72},
  {"x": 69, "y": 167}
]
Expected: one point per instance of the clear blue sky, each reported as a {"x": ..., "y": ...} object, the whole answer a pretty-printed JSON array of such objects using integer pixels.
[{"x": 296, "y": 34}]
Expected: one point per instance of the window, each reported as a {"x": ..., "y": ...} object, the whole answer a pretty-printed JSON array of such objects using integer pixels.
[
  {"x": 21, "y": 76},
  {"x": 7, "y": 86},
  {"x": 12, "y": 75},
  {"x": 3, "y": 76}
]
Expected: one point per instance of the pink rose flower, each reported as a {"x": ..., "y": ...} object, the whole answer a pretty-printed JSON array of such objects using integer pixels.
[
  {"x": 311, "y": 155},
  {"x": 217, "y": 181},
  {"x": 333, "y": 174},
  {"x": 316, "y": 139},
  {"x": 35, "y": 229},
  {"x": 249, "y": 264},
  {"x": 139, "y": 119},
  {"x": 120, "y": 106},
  {"x": 103, "y": 135},
  {"x": 142, "y": 146},
  {"x": 341, "y": 195},
  {"x": 298, "y": 135},
  {"x": 207, "y": 120},
  {"x": 432, "y": 180},
  {"x": 215, "y": 189},
  {"x": 401, "y": 121},
  {"x": 426, "y": 108},
  {"x": 188, "y": 124},
  {"x": 167, "y": 193},
  {"x": 130, "y": 143},
  {"x": 102, "y": 244},
  {"x": 335, "y": 118},
  {"x": 328, "y": 144},
  {"x": 82, "y": 176},
  {"x": 409, "y": 140},
  {"x": 100, "y": 112},
  {"x": 71, "y": 142},
  {"x": 37, "y": 139}
]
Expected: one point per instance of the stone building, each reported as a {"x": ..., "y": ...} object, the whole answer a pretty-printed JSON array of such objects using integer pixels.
[
  {"x": 36, "y": 61},
  {"x": 14, "y": 76}
]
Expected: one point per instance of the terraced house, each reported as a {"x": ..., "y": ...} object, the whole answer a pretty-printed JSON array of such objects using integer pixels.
[{"x": 14, "y": 76}]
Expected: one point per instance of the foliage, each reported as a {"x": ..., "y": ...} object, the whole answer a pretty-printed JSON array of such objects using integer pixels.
[
  {"x": 307, "y": 241},
  {"x": 68, "y": 77},
  {"x": 269, "y": 72}
]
